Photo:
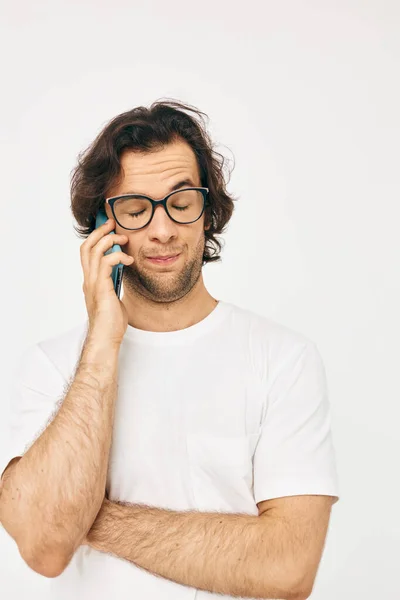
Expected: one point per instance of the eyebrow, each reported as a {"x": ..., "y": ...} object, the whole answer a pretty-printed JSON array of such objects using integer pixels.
[{"x": 184, "y": 183}]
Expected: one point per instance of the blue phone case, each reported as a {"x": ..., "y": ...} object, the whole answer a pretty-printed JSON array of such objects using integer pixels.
[{"x": 117, "y": 270}]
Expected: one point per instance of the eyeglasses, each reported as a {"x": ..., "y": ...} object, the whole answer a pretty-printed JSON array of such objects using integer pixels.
[{"x": 135, "y": 211}]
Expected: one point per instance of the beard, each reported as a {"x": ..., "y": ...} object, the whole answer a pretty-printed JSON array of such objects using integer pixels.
[{"x": 164, "y": 286}]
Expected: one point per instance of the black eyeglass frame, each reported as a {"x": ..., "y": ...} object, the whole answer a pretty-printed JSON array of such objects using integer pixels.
[{"x": 111, "y": 201}]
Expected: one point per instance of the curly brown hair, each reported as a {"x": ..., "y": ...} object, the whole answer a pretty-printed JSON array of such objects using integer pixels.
[{"x": 146, "y": 129}]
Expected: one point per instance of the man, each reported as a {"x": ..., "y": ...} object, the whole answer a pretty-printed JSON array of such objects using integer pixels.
[{"x": 183, "y": 444}]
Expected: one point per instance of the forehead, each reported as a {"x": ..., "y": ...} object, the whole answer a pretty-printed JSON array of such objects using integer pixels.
[{"x": 174, "y": 161}]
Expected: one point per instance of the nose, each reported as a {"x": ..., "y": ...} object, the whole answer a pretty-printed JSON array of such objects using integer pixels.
[{"x": 161, "y": 226}]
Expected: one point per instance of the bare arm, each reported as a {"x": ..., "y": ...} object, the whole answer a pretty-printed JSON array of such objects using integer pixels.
[
  {"x": 268, "y": 556},
  {"x": 50, "y": 498},
  {"x": 52, "y": 495}
]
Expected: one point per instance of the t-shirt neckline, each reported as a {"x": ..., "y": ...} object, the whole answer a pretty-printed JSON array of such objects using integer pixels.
[{"x": 188, "y": 334}]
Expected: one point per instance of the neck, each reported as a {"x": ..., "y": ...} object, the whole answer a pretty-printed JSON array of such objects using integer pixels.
[{"x": 169, "y": 316}]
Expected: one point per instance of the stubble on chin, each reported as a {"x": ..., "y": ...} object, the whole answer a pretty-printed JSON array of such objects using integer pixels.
[{"x": 164, "y": 286}]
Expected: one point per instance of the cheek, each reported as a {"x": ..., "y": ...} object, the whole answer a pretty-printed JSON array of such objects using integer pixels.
[
  {"x": 199, "y": 232},
  {"x": 197, "y": 237},
  {"x": 134, "y": 245},
  {"x": 191, "y": 243}
]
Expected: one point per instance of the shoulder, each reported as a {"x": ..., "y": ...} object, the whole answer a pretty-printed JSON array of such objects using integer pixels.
[
  {"x": 271, "y": 343},
  {"x": 278, "y": 337},
  {"x": 58, "y": 353}
]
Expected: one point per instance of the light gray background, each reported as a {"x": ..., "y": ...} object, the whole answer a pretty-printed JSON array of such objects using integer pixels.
[{"x": 304, "y": 96}]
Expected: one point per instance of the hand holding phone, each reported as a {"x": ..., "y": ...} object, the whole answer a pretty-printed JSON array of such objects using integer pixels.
[
  {"x": 117, "y": 270},
  {"x": 100, "y": 252}
]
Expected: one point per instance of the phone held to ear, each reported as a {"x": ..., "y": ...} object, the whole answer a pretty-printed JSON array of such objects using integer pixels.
[{"x": 118, "y": 269}]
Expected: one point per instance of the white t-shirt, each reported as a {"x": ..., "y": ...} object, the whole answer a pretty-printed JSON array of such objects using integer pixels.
[{"x": 215, "y": 417}]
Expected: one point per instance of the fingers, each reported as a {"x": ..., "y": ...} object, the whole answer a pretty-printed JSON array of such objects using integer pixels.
[
  {"x": 97, "y": 258},
  {"x": 93, "y": 250},
  {"x": 100, "y": 271},
  {"x": 91, "y": 240}
]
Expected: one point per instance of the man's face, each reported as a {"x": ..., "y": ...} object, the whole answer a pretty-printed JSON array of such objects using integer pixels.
[{"x": 154, "y": 175}]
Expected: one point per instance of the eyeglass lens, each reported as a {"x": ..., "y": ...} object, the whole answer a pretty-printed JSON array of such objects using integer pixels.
[{"x": 134, "y": 212}]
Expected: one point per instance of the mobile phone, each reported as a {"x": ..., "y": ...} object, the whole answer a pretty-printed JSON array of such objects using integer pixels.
[{"x": 118, "y": 269}]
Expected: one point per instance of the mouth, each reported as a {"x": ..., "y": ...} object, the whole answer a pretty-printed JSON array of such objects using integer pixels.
[{"x": 163, "y": 260}]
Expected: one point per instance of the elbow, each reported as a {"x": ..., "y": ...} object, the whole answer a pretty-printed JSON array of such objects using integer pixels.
[
  {"x": 49, "y": 565},
  {"x": 298, "y": 595},
  {"x": 300, "y": 591},
  {"x": 47, "y": 569},
  {"x": 284, "y": 592}
]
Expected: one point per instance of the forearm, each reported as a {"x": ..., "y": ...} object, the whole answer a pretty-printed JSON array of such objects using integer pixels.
[
  {"x": 234, "y": 554},
  {"x": 54, "y": 493}
]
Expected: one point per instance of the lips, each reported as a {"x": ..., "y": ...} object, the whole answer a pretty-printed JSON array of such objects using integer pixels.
[
  {"x": 163, "y": 261},
  {"x": 163, "y": 257}
]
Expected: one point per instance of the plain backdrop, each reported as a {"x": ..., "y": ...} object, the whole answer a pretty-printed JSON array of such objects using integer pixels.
[{"x": 303, "y": 101}]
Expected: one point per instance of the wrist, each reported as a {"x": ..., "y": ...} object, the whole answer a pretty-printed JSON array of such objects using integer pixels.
[
  {"x": 100, "y": 361},
  {"x": 97, "y": 345}
]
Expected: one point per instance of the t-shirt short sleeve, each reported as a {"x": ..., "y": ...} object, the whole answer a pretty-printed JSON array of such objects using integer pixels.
[
  {"x": 37, "y": 390},
  {"x": 295, "y": 453}
]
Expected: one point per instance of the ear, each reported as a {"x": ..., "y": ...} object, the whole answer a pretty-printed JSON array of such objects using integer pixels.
[{"x": 207, "y": 221}]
